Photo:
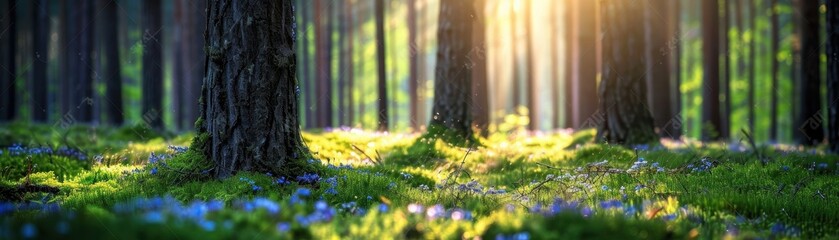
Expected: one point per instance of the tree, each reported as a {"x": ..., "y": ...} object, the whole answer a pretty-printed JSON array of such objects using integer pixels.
[
  {"x": 113, "y": 78},
  {"x": 40, "y": 31},
  {"x": 809, "y": 119},
  {"x": 622, "y": 91},
  {"x": 452, "y": 94},
  {"x": 776, "y": 39},
  {"x": 413, "y": 81},
  {"x": 249, "y": 114},
  {"x": 752, "y": 66},
  {"x": 305, "y": 63},
  {"x": 8, "y": 91},
  {"x": 152, "y": 97},
  {"x": 711, "y": 118},
  {"x": 832, "y": 23},
  {"x": 478, "y": 63},
  {"x": 81, "y": 73},
  {"x": 582, "y": 79},
  {"x": 515, "y": 56},
  {"x": 658, "y": 54},
  {"x": 380, "y": 65},
  {"x": 532, "y": 84}
]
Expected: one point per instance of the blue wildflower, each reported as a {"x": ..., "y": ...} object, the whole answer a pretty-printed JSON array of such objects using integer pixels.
[
  {"x": 153, "y": 217},
  {"x": 264, "y": 203},
  {"x": 154, "y": 171},
  {"x": 308, "y": 178},
  {"x": 283, "y": 227},
  {"x": 207, "y": 225},
  {"x": 383, "y": 207},
  {"x": 331, "y": 191},
  {"x": 305, "y": 192},
  {"x": 785, "y": 168}
]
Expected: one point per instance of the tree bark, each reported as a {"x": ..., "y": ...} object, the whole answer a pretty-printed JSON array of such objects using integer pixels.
[
  {"x": 584, "y": 65},
  {"x": 478, "y": 63},
  {"x": 810, "y": 118},
  {"x": 8, "y": 43},
  {"x": 658, "y": 54},
  {"x": 82, "y": 91},
  {"x": 249, "y": 107},
  {"x": 776, "y": 39},
  {"x": 622, "y": 91},
  {"x": 113, "y": 79},
  {"x": 711, "y": 119},
  {"x": 152, "y": 97},
  {"x": 453, "y": 75},
  {"x": 832, "y": 23},
  {"x": 40, "y": 32},
  {"x": 532, "y": 84},
  {"x": 380, "y": 65}
]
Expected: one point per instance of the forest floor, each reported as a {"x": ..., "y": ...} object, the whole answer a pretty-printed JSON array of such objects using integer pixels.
[{"x": 129, "y": 183}]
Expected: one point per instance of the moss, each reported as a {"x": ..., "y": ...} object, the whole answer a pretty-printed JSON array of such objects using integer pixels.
[{"x": 451, "y": 136}]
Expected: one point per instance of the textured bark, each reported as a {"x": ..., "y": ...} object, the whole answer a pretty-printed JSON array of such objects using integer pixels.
[
  {"x": 809, "y": 122},
  {"x": 532, "y": 84},
  {"x": 776, "y": 39},
  {"x": 8, "y": 67},
  {"x": 585, "y": 65},
  {"x": 453, "y": 76},
  {"x": 413, "y": 81},
  {"x": 832, "y": 23},
  {"x": 40, "y": 33},
  {"x": 249, "y": 96},
  {"x": 380, "y": 65},
  {"x": 113, "y": 79},
  {"x": 657, "y": 55},
  {"x": 152, "y": 87},
  {"x": 711, "y": 118},
  {"x": 622, "y": 91},
  {"x": 478, "y": 62}
]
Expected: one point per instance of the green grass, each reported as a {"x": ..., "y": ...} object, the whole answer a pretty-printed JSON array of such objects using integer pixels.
[{"x": 734, "y": 195}]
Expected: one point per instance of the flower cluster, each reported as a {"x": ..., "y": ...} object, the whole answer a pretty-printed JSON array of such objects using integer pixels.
[
  {"x": 641, "y": 165},
  {"x": 254, "y": 187},
  {"x": 333, "y": 183},
  {"x": 308, "y": 178},
  {"x": 514, "y": 236},
  {"x": 704, "y": 165},
  {"x": 439, "y": 212},
  {"x": 19, "y": 150},
  {"x": 178, "y": 149}
]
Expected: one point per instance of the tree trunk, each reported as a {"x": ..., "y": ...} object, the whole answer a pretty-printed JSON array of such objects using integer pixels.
[
  {"x": 68, "y": 59},
  {"x": 249, "y": 107},
  {"x": 178, "y": 73},
  {"x": 532, "y": 84},
  {"x": 82, "y": 91},
  {"x": 342, "y": 63},
  {"x": 776, "y": 39},
  {"x": 152, "y": 103},
  {"x": 193, "y": 40},
  {"x": 658, "y": 55},
  {"x": 348, "y": 67},
  {"x": 478, "y": 64},
  {"x": 674, "y": 128},
  {"x": 725, "y": 84},
  {"x": 810, "y": 119},
  {"x": 452, "y": 75},
  {"x": 515, "y": 58},
  {"x": 571, "y": 48},
  {"x": 584, "y": 65},
  {"x": 112, "y": 68},
  {"x": 622, "y": 90},
  {"x": 832, "y": 23},
  {"x": 413, "y": 81},
  {"x": 8, "y": 89},
  {"x": 306, "y": 62},
  {"x": 711, "y": 119},
  {"x": 380, "y": 65},
  {"x": 555, "y": 65},
  {"x": 752, "y": 65},
  {"x": 40, "y": 31}
]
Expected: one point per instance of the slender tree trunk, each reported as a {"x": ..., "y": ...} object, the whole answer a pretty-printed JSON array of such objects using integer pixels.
[
  {"x": 342, "y": 62},
  {"x": 555, "y": 64},
  {"x": 776, "y": 39},
  {"x": 478, "y": 64},
  {"x": 413, "y": 81},
  {"x": 832, "y": 23},
  {"x": 83, "y": 89},
  {"x": 193, "y": 39},
  {"x": 725, "y": 85},
  {"x": 571, "y": 48},
  {"x": 622, "y": 91},
  {"x": 249, "y": 107},
  {"x": 178, "y": 69},
  {"x": 152, "y": 103},
  {"x": 69, "y": 59},
  {"x": 795, "y": 68},
  {"x": 350, "y": 74},
  {"x": 810, "y": 118},
  {"x": 8, "y": 70},
  {"x": 113, "y": 78},
  {"x": 381, "y": 70},
  {"x": 752, "y": 65},
  {"x": 306, "y": 76},
  {"x": 40, "y": 31},
  {"x": 328, "y": 110},
  {"x": 658, "y": 55},
  {"x": 711, "y": 119},
  {"x": 452, "y": 75},
  {"x": 515, "y": 58},
  {"x": 532, "y": 84},
  {"x": 675, "y": 128}
]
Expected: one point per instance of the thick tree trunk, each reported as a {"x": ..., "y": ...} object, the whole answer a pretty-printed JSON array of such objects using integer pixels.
[
  {"x": 711, "y": 119},
  {"x": 810, "y": 118},
  {"x": 658, "y": 54},
  {"x": 585, "y": 65},
  {"x": 776, "y": 39},
  {"x": 152, "y": 97},
  {"x": 249, "y": 107},
  {"x": 380, "y": 65},
  {"x": 40, "y": 31},
  {"x": 83, "y": 89},
  {"x": 8, "y": 67},
  {"x": 478, "y": 64},
  {"x": 622, "y": 90},
  {"x": 452, "y": 75},
  {"x": 832, "y": 22},
  {"x": 532, "y": 84}
]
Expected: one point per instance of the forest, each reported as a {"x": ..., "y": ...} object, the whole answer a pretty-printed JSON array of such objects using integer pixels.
[{"x": 419, "y": 119}]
